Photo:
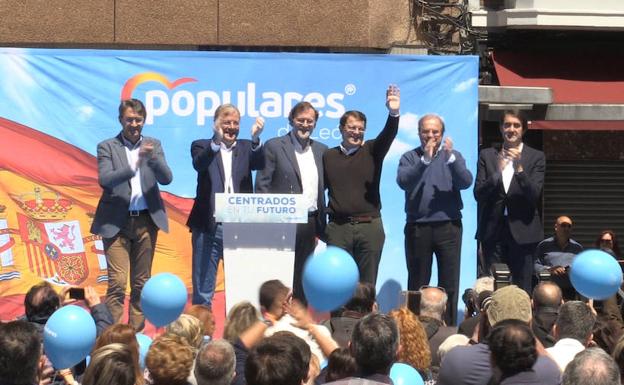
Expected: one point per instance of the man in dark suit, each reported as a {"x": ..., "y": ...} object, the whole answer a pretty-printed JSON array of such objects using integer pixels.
[
  {"x": 508, "y": 188},
  {"x": 294, "y": 165},
  {"x": 130, "y": 211},
  {"x": 223, "y": 164}
]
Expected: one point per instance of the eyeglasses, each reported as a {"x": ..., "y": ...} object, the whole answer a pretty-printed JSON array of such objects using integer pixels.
[
  {"x": 512, "y": 124},
  {"x": 568, "y": 225},
  {"x": 606, "y": 240}
]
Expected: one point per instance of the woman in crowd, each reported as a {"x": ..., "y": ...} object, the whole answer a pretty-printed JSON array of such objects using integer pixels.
[
  {"x": 123, "y": 334},
  {"x": 169, "y": 361},
  {"x": 113, "y": 363},
  {"x": 608, "y": 241},
  {"x": 189, "y": 329},
  {"x": 414, "y": 344},
  {"x": 240, "y": 318}
]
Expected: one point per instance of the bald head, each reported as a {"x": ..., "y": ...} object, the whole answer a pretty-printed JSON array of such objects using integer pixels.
[
  {"x": 433, "y": 302},
  {"x": 546, "y": 294},
  {"x": 563, "y": 219},
  {"x": 563, "y": 228}
]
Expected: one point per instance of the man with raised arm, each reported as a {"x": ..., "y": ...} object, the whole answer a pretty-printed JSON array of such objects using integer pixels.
[{"x": 352, "y": 175}]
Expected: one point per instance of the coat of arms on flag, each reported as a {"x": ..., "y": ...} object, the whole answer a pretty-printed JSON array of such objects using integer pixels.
[
  {"x": 54, "y": 248},
  {"x": 7, "y": 271}
]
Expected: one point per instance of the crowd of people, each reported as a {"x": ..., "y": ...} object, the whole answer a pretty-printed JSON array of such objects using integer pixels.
[
  {"x": 507, "y": 186},
  {"x": 511, "y": 339},
  {"x": 536, "y": 329}
]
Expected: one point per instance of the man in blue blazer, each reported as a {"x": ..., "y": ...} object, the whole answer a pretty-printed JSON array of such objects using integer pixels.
[
  {"x": 294, "y": 165},
  {"x": 508, "y": 189},
  {"x": 223, "y": 164},
  {"x": 130, "y": 210}
]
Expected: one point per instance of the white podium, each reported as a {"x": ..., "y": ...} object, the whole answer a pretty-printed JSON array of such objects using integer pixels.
[{"x": 258, "y": 241}]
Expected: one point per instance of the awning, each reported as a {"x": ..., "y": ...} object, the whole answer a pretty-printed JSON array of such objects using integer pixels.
[
  {"x": 589, "y": 80},
  {"x": 573, "y": 76}
]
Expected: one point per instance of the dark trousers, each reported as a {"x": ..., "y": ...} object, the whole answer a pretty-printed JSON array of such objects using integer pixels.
[
  {"x": 505, "y": 249},
  {"x": 305, "y": 243},
  {"x": 444, "y": 239},
  {"x": 363, "y": 240}
]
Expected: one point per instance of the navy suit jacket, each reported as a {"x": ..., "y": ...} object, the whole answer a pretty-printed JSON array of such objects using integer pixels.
[
  {"x": 281, "y": 174},
  {"x": 211, "y": 177},
  {"x": 114, "y": 174},
  {"x": 521, "y": 200}
]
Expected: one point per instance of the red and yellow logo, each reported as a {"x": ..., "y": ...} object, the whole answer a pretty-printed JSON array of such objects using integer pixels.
[{"x": 135, "y": 81}]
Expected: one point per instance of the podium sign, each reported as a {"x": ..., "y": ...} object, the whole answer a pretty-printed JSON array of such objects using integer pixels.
[
  {"x": 259, "y": 233},
  {"x": 260, "y": 208}
]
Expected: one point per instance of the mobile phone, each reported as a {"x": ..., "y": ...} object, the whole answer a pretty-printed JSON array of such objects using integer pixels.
[{"x": 76, "y": 293}]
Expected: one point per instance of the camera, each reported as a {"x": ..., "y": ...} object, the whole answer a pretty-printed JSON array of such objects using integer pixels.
[{"x": 501, "y": 274}]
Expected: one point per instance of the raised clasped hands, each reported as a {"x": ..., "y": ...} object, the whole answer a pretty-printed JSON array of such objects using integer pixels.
[
  {"x": 145, "y": 151},
  {"x": 510, "y": 154}
]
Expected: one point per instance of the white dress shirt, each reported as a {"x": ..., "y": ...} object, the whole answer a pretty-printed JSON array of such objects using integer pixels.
[
  {"x": 309, "y": 174},
  {"x": 137, "y": 200},
  {"x": 226, "y": 158},
  {"x": 564, "y": 351}
]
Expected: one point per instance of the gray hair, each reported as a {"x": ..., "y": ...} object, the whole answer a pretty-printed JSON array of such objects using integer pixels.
[
  {"x": 483, "y": 284},
  {"x": 429, "y": 307},
  {"x": 592, "y": 366},
  {"x": 225, "y": 108},
  {"x": 428, "y": 116},
  {"x": 215, "y": 363}
]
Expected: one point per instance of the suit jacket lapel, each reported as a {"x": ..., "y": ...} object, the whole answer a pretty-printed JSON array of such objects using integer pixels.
[
  {"x": 234, "y": 171},
  {"x": 494, "y": 160},
  {"x": 120, "y": 151},
  {"x": 221, "y": 169},
  {"x": 289, "y": 150}
]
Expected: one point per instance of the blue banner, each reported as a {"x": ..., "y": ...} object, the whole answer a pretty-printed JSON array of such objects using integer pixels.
[{"x": 73, "y": 95}]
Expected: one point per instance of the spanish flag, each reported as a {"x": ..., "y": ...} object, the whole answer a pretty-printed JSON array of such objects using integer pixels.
[{"x": 48, "y": 195}]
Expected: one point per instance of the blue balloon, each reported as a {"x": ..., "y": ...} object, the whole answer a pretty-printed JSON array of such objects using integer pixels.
[
  {"x": 144, "y": 344},
  {"x": 595, "y": 274},
  {"x": 68, "y": 336},
  {"x": 403, "y": 374},
  {"x": 163, "y": 298},
  {"x": 330, "y": 278}
]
